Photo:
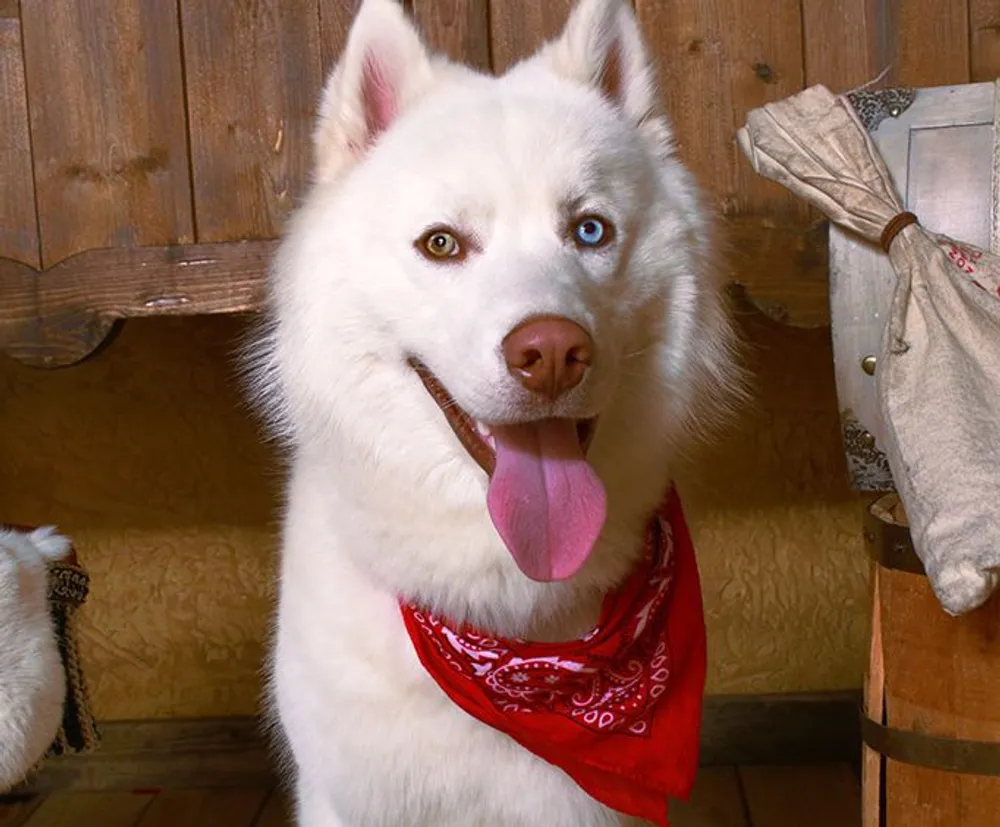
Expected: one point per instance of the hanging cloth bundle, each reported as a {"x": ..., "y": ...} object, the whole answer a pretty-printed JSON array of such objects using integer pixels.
[{"x": 938, "y": 377}]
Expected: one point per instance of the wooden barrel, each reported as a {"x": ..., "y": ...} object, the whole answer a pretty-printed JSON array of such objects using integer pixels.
[{"x": 931, "y": 722}]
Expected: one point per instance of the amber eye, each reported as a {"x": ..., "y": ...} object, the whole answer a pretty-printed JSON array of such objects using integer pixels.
[{"x": 440, "y": 244}]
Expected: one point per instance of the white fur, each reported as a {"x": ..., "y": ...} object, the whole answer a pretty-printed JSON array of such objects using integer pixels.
[
  {"x": 32, "y": 683},
  {"x": 383, "y": 500}
]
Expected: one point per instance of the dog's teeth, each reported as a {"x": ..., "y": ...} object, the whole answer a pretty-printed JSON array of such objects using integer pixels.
[{"x": 483, "y": 430}]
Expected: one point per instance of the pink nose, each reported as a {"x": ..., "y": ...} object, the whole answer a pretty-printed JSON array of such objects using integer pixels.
[{"x": 549, "y": 356}]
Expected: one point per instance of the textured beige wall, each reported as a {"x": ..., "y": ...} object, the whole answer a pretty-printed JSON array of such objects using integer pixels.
[{"x": 147, "y": 457}]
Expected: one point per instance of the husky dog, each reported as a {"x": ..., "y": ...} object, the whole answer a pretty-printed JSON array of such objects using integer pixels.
[{"x": 493, "y": 325}]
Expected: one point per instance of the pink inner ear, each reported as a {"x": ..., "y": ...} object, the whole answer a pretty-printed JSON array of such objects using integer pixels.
[{"x": 379, "y": 98}]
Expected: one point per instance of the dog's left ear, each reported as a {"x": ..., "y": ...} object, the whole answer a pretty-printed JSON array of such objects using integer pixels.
[
  {"x": 383, "y": 70},
  {"x": 602, "y": 46}
]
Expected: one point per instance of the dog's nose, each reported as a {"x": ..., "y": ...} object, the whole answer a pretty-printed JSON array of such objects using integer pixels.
[{"x": 549, "y": 356}]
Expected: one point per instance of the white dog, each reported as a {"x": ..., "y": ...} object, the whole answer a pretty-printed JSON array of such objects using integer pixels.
[
  {"x": 493, "y": 326},
  {"x": 32, "y": 681}
]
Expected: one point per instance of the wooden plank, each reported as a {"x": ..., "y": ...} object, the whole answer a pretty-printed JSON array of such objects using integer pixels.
[
  {"x": 335, "y": 17},
  {"x": 518, "y": 27},
  {"x": 277, "y": 811},
  {"x": 18, "y": 220},
  {"x": 719, "y": 60},
  {"x": 779, "y": 269},
  {"x": 963, "y": 656},
  {"x": 168, "y": 753},
  {"x": 932, "y": 43},
  {"x": 15, "y": 812},
  {"x": 459, "y": 29},
  {"x": 797, "y": 728},
  {"x": 717, "y": 801},
  {"x": 874, "y": 701},
  {"x": 984, "y": 26},
  {"x": 847, "y": 42},
  {"x": 818, "y": 796},
  {"x": 254, "y": 73},
  {"x": 205, "y": 808},
  {"x": 107, "y": 124},
  {"x": 118, "y": 809},
  {"x": 86, "y": 293}
]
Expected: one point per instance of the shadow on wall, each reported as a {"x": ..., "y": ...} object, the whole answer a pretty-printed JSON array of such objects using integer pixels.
[
  {"x": 150, "y": 433},
  {"x": 147, "y": 456}
]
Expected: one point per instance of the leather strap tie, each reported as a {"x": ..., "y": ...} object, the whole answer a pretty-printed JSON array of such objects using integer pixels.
[
  {"x": 891, "y": 546},
  {"x": 894, "y": 227}
]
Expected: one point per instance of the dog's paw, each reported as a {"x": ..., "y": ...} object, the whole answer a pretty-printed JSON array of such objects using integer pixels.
[
  {"x": 44, "y": 543},
  {"x": 33, "y": 548},
  {"x": 23, "y": 557}
]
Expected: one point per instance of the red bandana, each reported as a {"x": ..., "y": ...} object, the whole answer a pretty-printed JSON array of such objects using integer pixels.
[{"x": 618, "y": 710}]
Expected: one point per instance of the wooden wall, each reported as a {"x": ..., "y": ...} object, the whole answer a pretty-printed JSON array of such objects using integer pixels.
[{"x": 172, "y": 123}]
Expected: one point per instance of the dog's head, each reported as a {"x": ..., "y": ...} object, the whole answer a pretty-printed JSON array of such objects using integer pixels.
[{"x": 492, "y": 277}]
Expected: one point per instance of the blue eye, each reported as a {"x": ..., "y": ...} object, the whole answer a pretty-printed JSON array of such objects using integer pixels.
[{"x": 592, "y": 231}]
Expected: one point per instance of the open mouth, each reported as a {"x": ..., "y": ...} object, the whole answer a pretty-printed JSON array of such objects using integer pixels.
[
  {"x": 476, "y": 437},
  {"x": 544, "y": 499}
]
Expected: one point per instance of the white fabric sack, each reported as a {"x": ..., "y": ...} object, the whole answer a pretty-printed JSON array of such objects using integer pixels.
[{"x": 938, "y": 377}]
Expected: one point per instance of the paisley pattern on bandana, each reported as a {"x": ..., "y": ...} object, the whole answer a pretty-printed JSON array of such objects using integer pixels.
[
  {"x": 618, "y": 710},
  {"x": 613, "y": 691}
]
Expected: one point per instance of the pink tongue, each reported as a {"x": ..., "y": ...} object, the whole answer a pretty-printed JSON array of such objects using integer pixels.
[{"x": 544, "y": 499}]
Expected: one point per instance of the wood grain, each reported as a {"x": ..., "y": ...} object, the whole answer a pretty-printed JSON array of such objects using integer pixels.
[
  {"x": 717, "y": 801},
  {"x": 15, "y": 813},
  {"x": 335, "y": 17},
  {"x": 932, "y": 43},
  {"x": 819, "y": 796},
  {"x": 518, "y": 27},
  {"x": 778, "y": 269},
  {"x": 874, "y": 704},
  {"x": 459, "y": 29},
  {"x": 227, "y": 752},
  {"x": 168, "y": 753},
  {"x": 107, "y": 124},
  {"x": 104, "y": 809},
  {"x": 984, "y": 28},
  {"x": 18, "y": 222},
  {"x": 717, "y": 61},
  {"x": 237, "y": 807},
  {"x": 86, "y": 293},
  {"x": 254, "y": 73},
  {"x": 963, "y": 656},
  {"x": 846, "y": 42}
]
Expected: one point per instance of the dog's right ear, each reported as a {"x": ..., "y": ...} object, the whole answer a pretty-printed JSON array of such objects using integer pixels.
[{"x": 383, "y": 69}]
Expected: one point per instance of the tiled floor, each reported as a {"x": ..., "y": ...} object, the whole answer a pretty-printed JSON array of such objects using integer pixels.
[{"x": 820, "y": 796}]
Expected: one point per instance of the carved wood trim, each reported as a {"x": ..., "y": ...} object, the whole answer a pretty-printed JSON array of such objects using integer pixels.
[{"x": 59, "y": 316}]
